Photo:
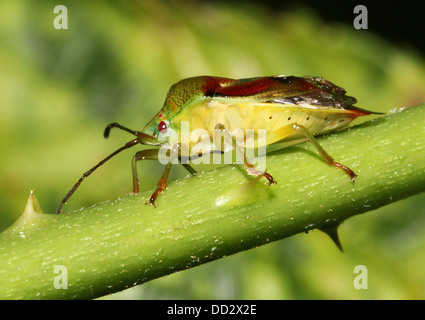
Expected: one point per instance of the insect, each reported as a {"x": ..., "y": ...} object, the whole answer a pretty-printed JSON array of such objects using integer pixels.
[{"x": 289, "y": 108}]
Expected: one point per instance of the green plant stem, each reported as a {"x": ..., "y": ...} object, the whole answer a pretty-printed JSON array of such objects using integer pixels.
[{"x": 118, "y": 244}]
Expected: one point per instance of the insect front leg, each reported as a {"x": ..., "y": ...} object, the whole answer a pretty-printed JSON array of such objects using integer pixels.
[
  {"x": 250, "y": 168},
  {"x": 161, "y": 185},
  {"x": 329, "y": 160},
  {"x": 152, "y": 154}
]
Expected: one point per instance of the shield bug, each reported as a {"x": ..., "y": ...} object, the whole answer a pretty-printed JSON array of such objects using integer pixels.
[{"x": 288, "y": 108}]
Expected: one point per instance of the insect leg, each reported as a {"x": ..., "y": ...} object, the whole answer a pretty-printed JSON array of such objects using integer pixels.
[
  {"x": 190, "y": 169},
  {"x": 161, "y": 185},
  {"x": 149, "y": 154},
  {"x": 184, "y": 161},
  {"x": 329, "y": 160},
  {"x": 250, "y": 168}
]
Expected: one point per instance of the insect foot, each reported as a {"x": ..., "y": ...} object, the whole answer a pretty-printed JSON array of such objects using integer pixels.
[
  {"x": 253, "y": 171},
  {"x": 269, "y": 178},
  {"x": 350, "y": 172}
]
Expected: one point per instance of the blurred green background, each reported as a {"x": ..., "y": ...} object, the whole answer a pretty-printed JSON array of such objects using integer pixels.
[{"x": 116, "y": 61}]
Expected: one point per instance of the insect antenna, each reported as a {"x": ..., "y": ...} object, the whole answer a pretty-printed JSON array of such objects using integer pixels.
[
  {"x": 117, "y": 125},
  {"x": 89, "y": 172}
]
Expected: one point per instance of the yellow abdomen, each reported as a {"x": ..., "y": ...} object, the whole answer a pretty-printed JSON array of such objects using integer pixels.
[{"x": 259, "y": 117}]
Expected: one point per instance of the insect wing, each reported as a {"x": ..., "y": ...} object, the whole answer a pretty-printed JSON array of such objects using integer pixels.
[{"x": 305, "y": 92}]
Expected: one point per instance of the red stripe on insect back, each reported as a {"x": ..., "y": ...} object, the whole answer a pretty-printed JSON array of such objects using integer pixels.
[
  {"x": 210, "y": 86},
  {"x": 247, "y": 89},
  {"x": 357, "y": 112},
  {"x": 213, "y": 83},
  {"x": 286, "y": 85}
]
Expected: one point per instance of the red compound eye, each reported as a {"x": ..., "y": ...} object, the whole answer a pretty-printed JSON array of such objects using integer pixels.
[{"x": 162, "y": 127}]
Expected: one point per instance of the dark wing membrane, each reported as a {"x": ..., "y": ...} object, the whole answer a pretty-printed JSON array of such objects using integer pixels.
[{"x": 319, "y": 98}]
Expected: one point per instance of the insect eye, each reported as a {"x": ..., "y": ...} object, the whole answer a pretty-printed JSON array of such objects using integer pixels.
[{"x": 162, "y": 127}]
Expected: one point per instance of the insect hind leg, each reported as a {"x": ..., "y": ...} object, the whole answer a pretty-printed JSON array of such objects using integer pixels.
[{"x": 329, "y": 160}]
